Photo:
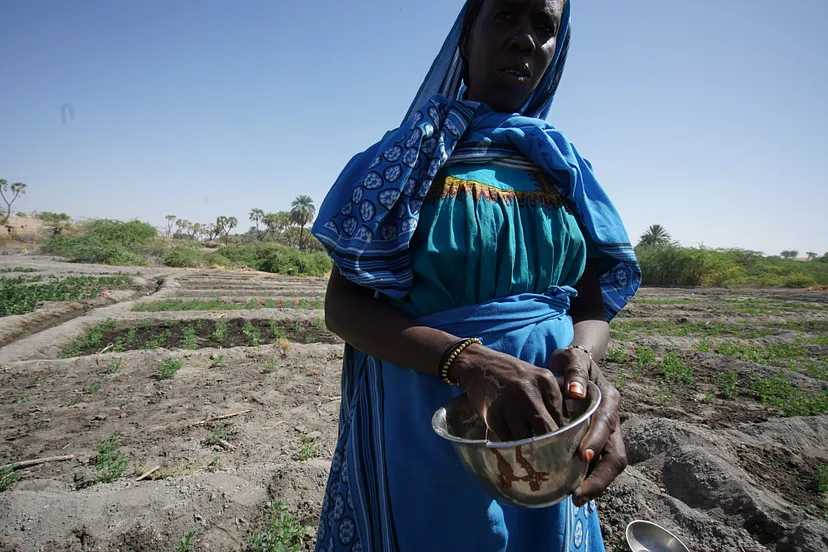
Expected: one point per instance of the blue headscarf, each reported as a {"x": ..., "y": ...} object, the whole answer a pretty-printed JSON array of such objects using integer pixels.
[{"x": 371, "y": 213}]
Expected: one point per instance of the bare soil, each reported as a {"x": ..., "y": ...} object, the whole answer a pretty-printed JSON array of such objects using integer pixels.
[{"x": 724, "y": 471}]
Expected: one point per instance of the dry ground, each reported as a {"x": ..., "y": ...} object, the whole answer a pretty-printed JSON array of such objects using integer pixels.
[{"x": 708, "y": 459}]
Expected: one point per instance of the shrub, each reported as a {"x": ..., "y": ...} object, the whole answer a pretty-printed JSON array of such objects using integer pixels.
[
  {"x": 104, "y": 241},
  {"x": 672, "y": 265},
  {"x": 127, "y": 234},
  {"x": 87, "y": 249},
  {"x": 182, "y": 256},
  {"x": 278, "y": 259}
]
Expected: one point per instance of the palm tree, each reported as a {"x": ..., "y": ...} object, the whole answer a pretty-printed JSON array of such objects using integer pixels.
[
  {"x": 811, "y": 255},
  {"x": 256, "y": 216},
  {"x": 302, "y": 212},
  {"x": 656, "y": 234}
]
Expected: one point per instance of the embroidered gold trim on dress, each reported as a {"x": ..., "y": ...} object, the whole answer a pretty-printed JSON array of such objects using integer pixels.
[{"x": 451, "y": 187}]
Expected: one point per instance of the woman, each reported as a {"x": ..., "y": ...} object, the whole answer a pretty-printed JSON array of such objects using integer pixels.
[{"x": 474, "y": 252}]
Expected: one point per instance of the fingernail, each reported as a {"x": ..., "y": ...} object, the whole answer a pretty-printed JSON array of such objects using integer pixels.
[
  {"x": 576, "y": 389},
  {"x": 590, "y": 454}
]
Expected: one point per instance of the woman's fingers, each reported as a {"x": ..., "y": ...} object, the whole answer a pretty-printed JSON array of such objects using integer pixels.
[
  {"x": 497, "y": 424},
  {"x": 541, "y": 420},
  {"x": 519, "y": 424},
  {"x": 613, "y": 461},
  {"x": 521, "y": 413},
  {"x": 550, "y": 391},
  {"x": 604, "y": 423},
  {"x": 575, "y": 365}
]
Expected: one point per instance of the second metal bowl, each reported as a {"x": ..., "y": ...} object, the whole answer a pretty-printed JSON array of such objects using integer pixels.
[{"x": 646, "y": 536}]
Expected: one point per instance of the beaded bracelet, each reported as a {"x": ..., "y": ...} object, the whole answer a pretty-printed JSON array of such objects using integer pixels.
[
  {"x": 584, "y": 349},
  {"x": 451, "y": 355}
]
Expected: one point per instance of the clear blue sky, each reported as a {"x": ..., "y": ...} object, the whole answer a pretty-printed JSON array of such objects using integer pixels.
[{"x": 708, "y": 117}]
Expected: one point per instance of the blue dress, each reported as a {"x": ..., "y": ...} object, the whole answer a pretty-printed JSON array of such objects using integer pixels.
[{"x": 495, "y": 256}]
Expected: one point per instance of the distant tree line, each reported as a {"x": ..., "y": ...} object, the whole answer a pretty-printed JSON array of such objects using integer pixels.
[{"x": 283, "y": 227}]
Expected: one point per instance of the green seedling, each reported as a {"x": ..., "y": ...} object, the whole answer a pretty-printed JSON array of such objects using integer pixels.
[
  {"x": 215, "y": 464},
  {"x": 186, "y": 542},
  {"x": 308, "y": 448},
  {"x": 222, "y": 330},
  {"x": 617, "y": 356},
  {"x": 822, "y": 479},
  {"x": 169, "y": 367},
  {"x": 109, "y": 462},
  {"x": 728, "y": 383},
  {"x": 218, "y": 434},
  {"x": 188, "y": 339},
  {"x": 114, "y": 365},
  {"x": 282, "y": 533},
  {"x": 252, "y": 333},
  {"x": 8, "y": 477},
  {"x": 675, "y": 372},
  {"x": 277, "y": 331}
]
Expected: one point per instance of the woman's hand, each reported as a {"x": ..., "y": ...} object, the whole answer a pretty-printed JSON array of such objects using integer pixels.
[
  {"x": 603, "y": 442},
  {"x": 516, "y": 399}
]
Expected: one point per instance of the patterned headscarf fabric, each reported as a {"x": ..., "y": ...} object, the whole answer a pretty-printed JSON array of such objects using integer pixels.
[{"x": 371, "y": 213}]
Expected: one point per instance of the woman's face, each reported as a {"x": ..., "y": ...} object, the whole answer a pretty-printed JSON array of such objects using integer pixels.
[{"x": 509, "y": 49}]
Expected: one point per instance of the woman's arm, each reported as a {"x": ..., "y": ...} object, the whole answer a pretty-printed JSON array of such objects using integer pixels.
[
  {"x": 376, "y": 329},
  {"x": 589, "y": 316},
  {"x": 604, "y": 441},
  {"x": 516, "y": 399}
]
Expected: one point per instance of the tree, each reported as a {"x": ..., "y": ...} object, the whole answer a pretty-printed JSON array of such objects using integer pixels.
[
  {"x": 302, "y": 212},
  {"x": 197, "y": 230},
  {"x": 170, "y": 221},
  {"x": 224, "y": 225},
  {"x": 277, "y": 224},
  {"x": 232, "y": 222},
  {"x": 256, "y": 216},
  {"x": 14, "y": 191},
  {"x": 211, "y": 231},
  {"x": 790, "y": 254},
  {"x": 182, "y": 225},
  {"x": 656, "y": 234},
  {"x": 812, "y": 255}
]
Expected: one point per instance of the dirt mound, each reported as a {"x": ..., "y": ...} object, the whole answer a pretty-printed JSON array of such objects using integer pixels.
[{"x": 749, "y": 488}]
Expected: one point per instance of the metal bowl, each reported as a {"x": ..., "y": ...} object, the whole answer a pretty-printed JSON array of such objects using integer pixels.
[
  {"x": 532, "y": 473},
  {"x": 645, "y": 536}
]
